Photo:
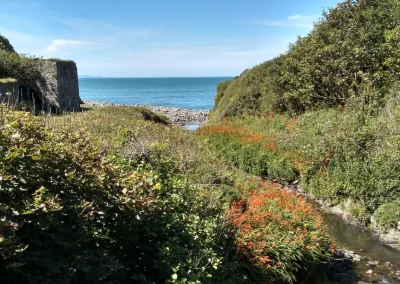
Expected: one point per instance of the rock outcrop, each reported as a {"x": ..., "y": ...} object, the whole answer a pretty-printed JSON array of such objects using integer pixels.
[{"x": 58, "y": 85}]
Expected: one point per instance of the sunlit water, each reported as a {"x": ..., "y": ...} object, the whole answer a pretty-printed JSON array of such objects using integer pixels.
[
  {"x": 363, "y": 242},
  {"x": 194, "y": 93}
]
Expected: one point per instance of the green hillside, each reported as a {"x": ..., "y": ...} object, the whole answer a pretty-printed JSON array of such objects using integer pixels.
[{"x": 353, "y": 49}]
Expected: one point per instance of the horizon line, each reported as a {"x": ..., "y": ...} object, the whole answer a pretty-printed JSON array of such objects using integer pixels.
[{"x": 156, "y": 77}]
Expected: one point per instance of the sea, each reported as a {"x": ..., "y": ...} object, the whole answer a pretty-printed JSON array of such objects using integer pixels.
[{"x": 193, "y": 93}]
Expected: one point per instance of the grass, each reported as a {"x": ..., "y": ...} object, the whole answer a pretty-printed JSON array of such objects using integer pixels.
[{"x": 7, "y": 80}]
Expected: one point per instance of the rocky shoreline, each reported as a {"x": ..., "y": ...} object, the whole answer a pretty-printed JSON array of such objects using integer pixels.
[{"x": 175, "y": 114}]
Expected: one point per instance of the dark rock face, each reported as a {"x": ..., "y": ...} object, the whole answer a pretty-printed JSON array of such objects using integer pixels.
[
  {"x": 58, "y": 86},
  {"x": 8, "y": 93}
]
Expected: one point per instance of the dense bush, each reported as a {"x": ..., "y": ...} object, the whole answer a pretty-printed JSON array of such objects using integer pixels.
[
  {"x": 26, "y": 69},
  {"x": 255, "y": 90},
  {"x": 353, "y": 46},
  {"x": 221, "y": 88},
  {"x": 388, "y": 215}
]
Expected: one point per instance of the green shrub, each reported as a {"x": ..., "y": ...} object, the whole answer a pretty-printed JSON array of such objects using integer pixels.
[
  {"x": 222, "y": 86},
  {"x": 388, "y": 215},
  {"x": 255, "y": 90},
  {"x": 25, "y": 69}
]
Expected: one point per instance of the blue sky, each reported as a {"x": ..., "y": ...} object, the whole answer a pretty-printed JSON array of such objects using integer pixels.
[{"x": 158, "y": 38}]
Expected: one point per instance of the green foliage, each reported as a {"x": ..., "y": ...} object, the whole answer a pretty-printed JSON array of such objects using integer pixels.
[
  {"x": 354, "y": 45},
  {"x": 25, "y": 69},
  {"x": 5, "y": 44},
  {"x": 338, "y": 154},
  {"x": 107, "y": 197},
  {"x": 255, "y": 90},
  {"x": 249, "y": 149},
  {"x": 222, "y": 86},
  {"x": 7, "y": 80},
  {"x": 388, "y": 215},
  {"x": 91, "y": 215}
]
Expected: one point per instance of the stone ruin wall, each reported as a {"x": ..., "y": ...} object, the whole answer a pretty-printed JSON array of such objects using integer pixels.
[{"x": 58, "y": 86}]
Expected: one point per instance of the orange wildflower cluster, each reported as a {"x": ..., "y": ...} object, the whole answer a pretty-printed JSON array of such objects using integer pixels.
[
  {"x": 231, "y": 131},
  {"x": 269, "y": 143},
  {"x": 225, "y": 128},
  {"x": 272, "y": 223}
]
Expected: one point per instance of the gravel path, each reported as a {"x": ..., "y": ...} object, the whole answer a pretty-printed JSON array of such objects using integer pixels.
[{"x": 175, "y": 114}]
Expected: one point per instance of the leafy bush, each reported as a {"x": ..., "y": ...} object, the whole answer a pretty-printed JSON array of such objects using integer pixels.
[
  {"x": 26, "y": 69},
  {"x": 222, "y": 86},
  {"x": 349, "y": 48},
  {"x": 388, "y": 215},
  {"x": 254, "y": 91}
]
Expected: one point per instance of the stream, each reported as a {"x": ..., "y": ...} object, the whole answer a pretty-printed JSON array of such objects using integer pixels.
[
  {"x": 191, "y": 126},
  {"x": 373, "y": 261}
]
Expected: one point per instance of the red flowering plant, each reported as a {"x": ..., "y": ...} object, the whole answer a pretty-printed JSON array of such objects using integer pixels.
[{"x": 280, "y": 233}]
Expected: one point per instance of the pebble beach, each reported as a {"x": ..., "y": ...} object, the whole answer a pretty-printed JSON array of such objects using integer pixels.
[{"x": 175, "y": 114}]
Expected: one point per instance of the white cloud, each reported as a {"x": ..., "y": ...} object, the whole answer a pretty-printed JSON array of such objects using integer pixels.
[
  {"x": 294, "y": 21},
  {"x": 63, "y": 43},
  {"x": 298, "y": 17}
]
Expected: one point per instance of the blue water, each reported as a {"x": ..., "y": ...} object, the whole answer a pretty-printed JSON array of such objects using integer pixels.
[{"x": 195, "y": 93}]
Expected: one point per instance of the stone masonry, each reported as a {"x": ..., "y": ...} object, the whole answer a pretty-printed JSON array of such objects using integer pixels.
[{"x": 58, "y": 86}]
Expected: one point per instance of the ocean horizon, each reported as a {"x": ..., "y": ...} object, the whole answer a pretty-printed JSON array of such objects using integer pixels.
[{"x": 184, "y": 92}]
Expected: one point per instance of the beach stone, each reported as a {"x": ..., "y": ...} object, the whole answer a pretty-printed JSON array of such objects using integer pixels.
[{"x": 372, "y": 263}]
